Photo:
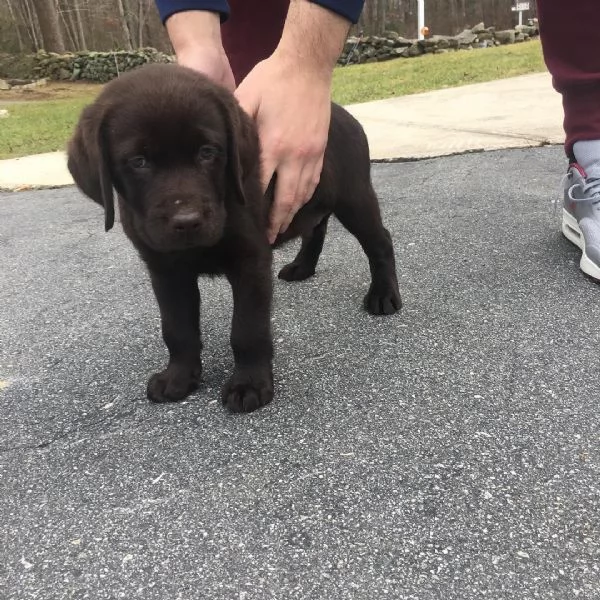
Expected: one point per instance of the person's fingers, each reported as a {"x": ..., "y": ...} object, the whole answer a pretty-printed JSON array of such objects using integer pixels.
[
  {"x": 293, "y": 136},
  {"x": 247, "y": 98},
  {"x": 312, "y": 179},
  {"x": 267, "y": 170},
  {"x": 288, "y": 218},
  {"x": 307, "y": 183},
  {"x": 286, "y": 188}
]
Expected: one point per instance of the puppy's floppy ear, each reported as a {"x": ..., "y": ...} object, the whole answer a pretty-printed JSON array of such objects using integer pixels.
[
  {"x": 242, "y": 147},
  {"x": 89, "y": 160}
]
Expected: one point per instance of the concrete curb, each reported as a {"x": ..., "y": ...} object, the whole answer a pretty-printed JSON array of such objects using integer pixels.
[{"x": 519, "y": 112}]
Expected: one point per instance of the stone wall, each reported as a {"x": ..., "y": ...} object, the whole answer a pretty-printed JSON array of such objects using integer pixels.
[
  {"x": 104, "y": 66},
  {"x": 87, "y": 66},
  {"x": 391, "y": 45}
]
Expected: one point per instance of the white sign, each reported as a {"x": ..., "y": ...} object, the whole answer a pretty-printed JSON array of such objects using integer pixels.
[{"x": 520, "y": 6}]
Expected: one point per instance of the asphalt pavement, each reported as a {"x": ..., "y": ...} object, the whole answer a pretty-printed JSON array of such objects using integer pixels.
[{"x": 449, "y": 452}]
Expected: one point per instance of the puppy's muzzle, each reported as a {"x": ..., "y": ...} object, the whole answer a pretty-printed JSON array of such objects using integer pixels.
[
  {"x": 187, "y": 227},
  {"x": 186, "y": 224}
]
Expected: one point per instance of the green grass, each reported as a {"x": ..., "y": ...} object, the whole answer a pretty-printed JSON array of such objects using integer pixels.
[
  {"x": 35, "y": 126},
  {"x": 363, "y": 83}
]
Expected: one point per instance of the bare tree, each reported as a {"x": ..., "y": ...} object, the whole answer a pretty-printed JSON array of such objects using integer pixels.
[
  {"x": 381, "y": 15},
  {"x": 11, "y": 11},
  {"x": 47, "y": 15},
  {"x": 66, "y": 18},
  {"x": 70, "y": 12},
  {"x": 31, "y": 25},
  {"x": 125, "y": 25},
  {"x": 82, "y": 44},
  {"x": 141, "y": 20}
]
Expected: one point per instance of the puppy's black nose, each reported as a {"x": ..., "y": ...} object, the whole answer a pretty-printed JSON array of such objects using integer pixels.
[{"x": 187, "y": 222}]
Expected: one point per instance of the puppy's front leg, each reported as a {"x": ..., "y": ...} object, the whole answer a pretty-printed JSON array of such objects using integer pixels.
[
  {"x": 179, "y": 302},
  {"x": 251, "y": 385}
]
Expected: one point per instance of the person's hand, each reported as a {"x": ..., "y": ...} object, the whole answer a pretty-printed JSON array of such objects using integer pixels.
[
  {"x": 288, "y": 94},
  {"x": 211, "y": 61},
  {"x": 292, "y": 109},
  {"x": 196, "y": 38}
]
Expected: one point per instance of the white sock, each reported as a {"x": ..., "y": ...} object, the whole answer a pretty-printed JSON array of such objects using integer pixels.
[{"x": 587, "y": 154}]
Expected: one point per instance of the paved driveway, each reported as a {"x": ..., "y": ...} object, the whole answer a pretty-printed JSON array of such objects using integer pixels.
[{"x": 449, "y": 452}]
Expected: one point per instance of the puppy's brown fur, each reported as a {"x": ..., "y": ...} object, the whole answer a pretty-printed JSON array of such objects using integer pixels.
[{"x": 184, "y": 160}]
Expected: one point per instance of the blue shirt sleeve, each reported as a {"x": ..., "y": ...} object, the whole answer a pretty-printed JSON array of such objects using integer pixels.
[
  {"x": 350, "y": 9},
  {"x": 166, "y": 8}
]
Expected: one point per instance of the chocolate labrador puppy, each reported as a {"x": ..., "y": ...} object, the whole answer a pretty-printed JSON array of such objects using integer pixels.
[{"x": 184, "y": 160}]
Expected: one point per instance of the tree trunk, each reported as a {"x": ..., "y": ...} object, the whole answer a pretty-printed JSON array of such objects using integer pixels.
[
  {"x": 30, "y": 20},
  {"x": 141, "y": 21},
  {"x": 49, "y": 26},
  {"x": 17, "y": 28},
  {"x": 82, "y": 43},
  {"x": 381, "y": 15},
  {"x": 124, "y": 25},
  {"x": 69, "y": 26}
]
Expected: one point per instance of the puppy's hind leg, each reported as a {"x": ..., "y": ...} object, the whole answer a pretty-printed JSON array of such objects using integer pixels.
[
  {"x": 305, "y": 263},
  {"x": 362, "y": 218}
]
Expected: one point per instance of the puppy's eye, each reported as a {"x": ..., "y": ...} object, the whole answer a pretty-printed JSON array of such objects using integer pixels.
[
  {"x": 139, "y": 162},
  {"x": 207, "y": 152}
]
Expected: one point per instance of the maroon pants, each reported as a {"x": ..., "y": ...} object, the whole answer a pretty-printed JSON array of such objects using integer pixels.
[
  {"x": 570, "y": 33},
  {"x": 252, "y": 32}
]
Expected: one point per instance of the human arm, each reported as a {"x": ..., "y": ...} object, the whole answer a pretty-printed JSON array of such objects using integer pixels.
[
  {"x": 196, "y": 39},
  {"x": 289, "y": 96}
]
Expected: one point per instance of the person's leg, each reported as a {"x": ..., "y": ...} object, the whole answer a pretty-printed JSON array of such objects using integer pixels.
[
  {"x": 571, "y": 46},
  {"x": 252, "y": 32}
]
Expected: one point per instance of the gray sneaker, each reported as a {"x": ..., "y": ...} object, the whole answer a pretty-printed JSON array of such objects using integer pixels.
[{"x": 581, "y": 217}]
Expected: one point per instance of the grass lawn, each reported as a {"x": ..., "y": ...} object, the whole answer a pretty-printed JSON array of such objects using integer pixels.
[
  {"x": 363, "y": 83},
  {"x": 42, "y": 120},
  {"x": 35, "y": 127}
]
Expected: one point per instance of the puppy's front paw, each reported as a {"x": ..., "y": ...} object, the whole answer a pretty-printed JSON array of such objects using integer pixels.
[
  {"x": 296, "y": 272},
  {"x": 383, "y": 298},
  {"x": 248, "y": 390},
  {"x": 174, "y": 383}
]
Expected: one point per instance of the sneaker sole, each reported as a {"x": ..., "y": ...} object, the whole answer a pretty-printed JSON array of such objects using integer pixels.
[{"x": 570, "y": 229}]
